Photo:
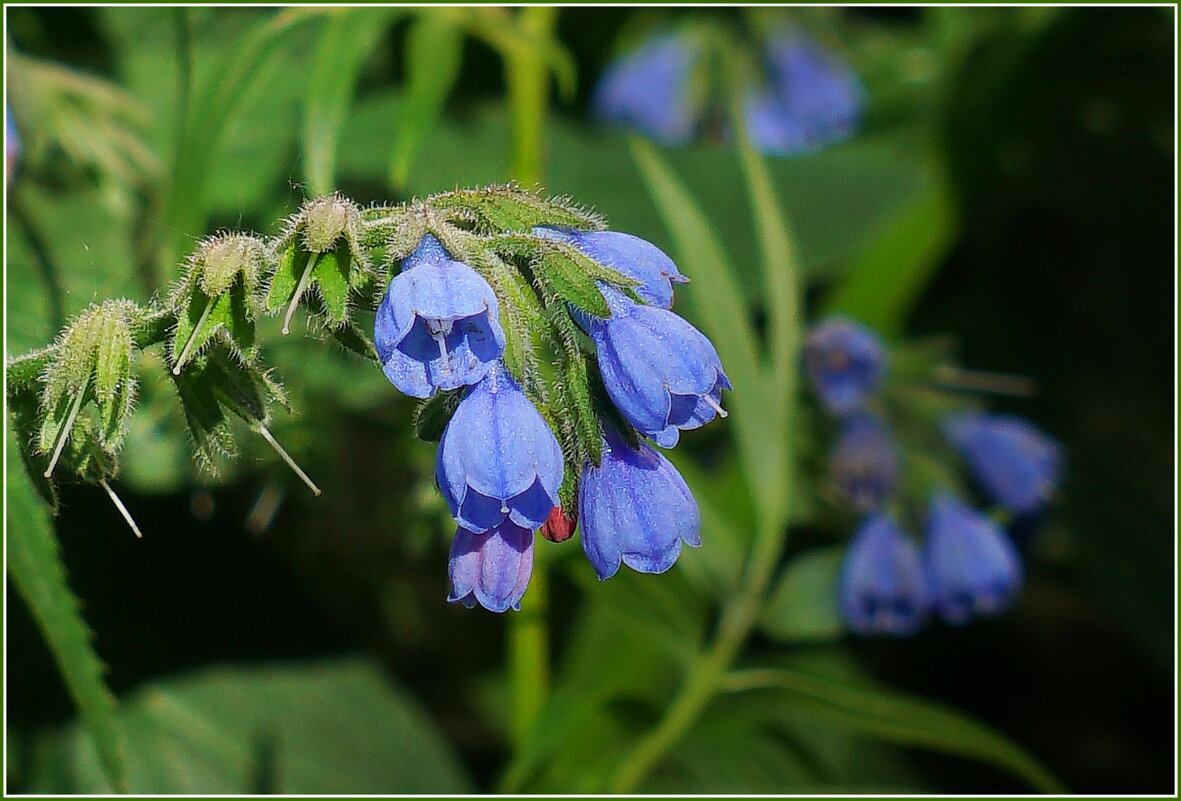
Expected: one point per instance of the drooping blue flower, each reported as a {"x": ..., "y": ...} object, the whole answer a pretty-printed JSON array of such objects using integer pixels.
[
  {"x": 845, "y": 362},
  {"x": 12, "y": 144},
  {"x": 636, "y": 509},
  {"x": 438, "y": 326},
  {"x": 491, "y": 569},
  {"x": 882, "y": 588},
  {"x": 1016, "y": 464},
  {"x": 865, "y": 463},
  {"x": 629, "y": 255},
  {"x": 650, "y": 89},
  {"x": 814, "y": 97},
  {"x": 498, "y": 459},
  {"x": 972, "y": 568},
  {"x": 663, "y": 375}
]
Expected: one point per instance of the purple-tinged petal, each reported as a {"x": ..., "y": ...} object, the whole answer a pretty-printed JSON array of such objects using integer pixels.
[
  {"x": 492, "y": 569},
  {"x": 882, "y": 588},
  {"x": 846, "y": 363}
]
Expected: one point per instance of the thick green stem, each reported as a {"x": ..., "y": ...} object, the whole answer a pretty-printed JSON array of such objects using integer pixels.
[{"x": 528, "y": 98}]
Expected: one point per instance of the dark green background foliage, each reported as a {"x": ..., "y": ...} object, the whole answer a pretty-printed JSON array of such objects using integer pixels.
[{"x": 1018, "y": 162}]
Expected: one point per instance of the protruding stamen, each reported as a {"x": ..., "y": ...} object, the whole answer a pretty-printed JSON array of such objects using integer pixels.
[
  {"x": 266, "y": 434},
  {"x": 714, "y": 404},
  {"x": 503, "y": 508},
  {"x": 65, "y": 432},
  {"x": 184, "y": 353},
  {"x": 299, "y": 290},
  {"x": 441, "y": 338},
  {"x": 122, "y": 509}
]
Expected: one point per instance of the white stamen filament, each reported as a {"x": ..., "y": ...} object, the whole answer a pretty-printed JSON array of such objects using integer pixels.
[
  {"x": 713, "y": 403},
  {"x": 299, "y": 290},
  {"x": 287, "y": 458},
  {"x": 439, "y": 330},
  {"x": 122, "y": 509},
  {"x": 184, "y": 354},
  {"x": 65, "y": 434}
]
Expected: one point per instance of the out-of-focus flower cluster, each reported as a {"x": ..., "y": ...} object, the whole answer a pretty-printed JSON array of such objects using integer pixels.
[
  {"x": 967, "y": 566},
  {"x": 803, "y": 97},
  {"x": 442, "y": 330}
]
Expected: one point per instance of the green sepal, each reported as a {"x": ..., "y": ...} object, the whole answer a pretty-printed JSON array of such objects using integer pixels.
[
  {"x": 332, "y": 274},
  {"x": 352, "y": 338},
  {"x": 568, "y": 492},
  {"x": 230, "y": 315},
  {"x": 291, "y": 264},
  {"x": 432, "y": 415},
  {"x": 509, "y": 208},
  {"x": 570, "y": 281}
]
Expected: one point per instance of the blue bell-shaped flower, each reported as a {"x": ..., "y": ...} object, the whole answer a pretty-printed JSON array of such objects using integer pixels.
[
  {"x": 438, "y": 326},
  {"x": 651, "y": 89},
  {"x": 498, "y": 459},
  {"x": 1016, "y": 464},
  {"x": 882, "y": 587},
  {"x": 845, "y": 362},
  {"x": 865, "y": 463},
  {"x": 491, "y": 569},
  {"x": 635, "y": 509},
  {"x": 629, "y": 255}
]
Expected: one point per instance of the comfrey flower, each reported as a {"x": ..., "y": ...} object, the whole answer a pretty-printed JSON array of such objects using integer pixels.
[
  {"x": 438, "y": 326},
  {"x": 865, "y": 463},
  {"x": 498, "y": 460},
  {"x": 663, "y": 375},
  {"x": 629, "y": 255},
  {"x": 635, "y": 509},
  {"x": 12, "y": 145},
  {"x": 972, "y": 568},
  {"x": 882, "y": 589},
  {"x": 1016, "y": 464},
  {"x": 491, "y": 569},
  {"x": 813, "y": 98},
  {"x": 846, "y": 363},
  {"x": 651, "y": 89}
]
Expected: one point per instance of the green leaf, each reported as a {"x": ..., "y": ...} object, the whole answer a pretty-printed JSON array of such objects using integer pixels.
[
  {"x": 328, "y": 727},
  {"x": 34, "y": 563},
  {"x": 569, "y": 279},
  {"x": 903, "y": 719},
  {"x": 347, "y": 40},
  {"x": 354, "y": 339},
  {"x": 887, "y": 278},
  {"x": 509, "y": 208},
  {"x": 803, "y": 606},
  {"x": 432, "y": 415},
  {"x": 434, "y": 51}
]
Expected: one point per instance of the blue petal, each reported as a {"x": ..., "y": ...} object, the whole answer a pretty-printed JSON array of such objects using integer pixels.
[
  {"x": 865, "y": 463},
  {"x": 429, "y": 251},
  {"x": 650, "y": 89},
  {"x": 492, "y": 568},
  {"x": 820, "y": 95},
  {"x": 636, "y": 509},
  {"x": 846, "y": 363},
  {"x": 882, "y": 587},
  {"x": 1017, "y": 465},
  {"x": 629, "y": 255}
]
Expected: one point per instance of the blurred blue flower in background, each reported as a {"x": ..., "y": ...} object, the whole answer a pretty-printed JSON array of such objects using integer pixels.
[
  {"x": 498, "y": 459},
  {"x": 663, "y": 374},
  {"x": 438, "y": 325},
  {"x": 845, "y": 362},
  {"x": 865, "y": 463},
  {"x": 650, "y": 89},
  {"x": 1016, "y": 464},
  {"x": 630, "y": 255},
  {"x": 972, "y": 568},
  {"x": 492, "y": 568},
  {"x": 814, "y": 97},
  {"x": 636, "y": 509},
  {"x": 12, "y": 144},
  {"x": 882, "y": 589}
]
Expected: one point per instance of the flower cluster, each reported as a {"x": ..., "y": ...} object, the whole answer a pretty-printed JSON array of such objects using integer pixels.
[
  {"x": 442, "y": 330},
  {"x": 967, "y": 567},
  {"x": 808, "y": 97}
]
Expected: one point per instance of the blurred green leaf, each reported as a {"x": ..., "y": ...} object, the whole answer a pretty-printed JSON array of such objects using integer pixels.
[
  {"x": 904, "y": 719},
  {"x": 434, "y": 52},
  {"x": 337, "y": 726},
  {"x": 887, "y": 278},
  {"x": 803, "y": 605},
  {"x": 35, "y": 565},
  {"x": 346, "y": 42}
]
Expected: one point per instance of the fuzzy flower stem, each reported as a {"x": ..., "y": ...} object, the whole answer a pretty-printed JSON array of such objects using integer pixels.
[
  {"x": 65, "y": 434},
  {"x": 122, "y": 509},
  {"x": 274, "y": 443},
  {"x": 184, "y": 353},
  {"x": 299, "y": 290}
]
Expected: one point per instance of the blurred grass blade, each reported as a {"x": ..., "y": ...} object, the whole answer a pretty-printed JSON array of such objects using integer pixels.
[
  {"x": 434, "y": 52},
  {"x": 344, "y": 45},
  {"x": 782, "y": 293},
  {"x": 34, "y": 562},
  {"x": 903, "y": 719},
  {"x": 187, "y": 205},
  {"x": 888, "y": 277},
  {"x": 718, "y": 305},
  {"x": 496, "y": 27}
]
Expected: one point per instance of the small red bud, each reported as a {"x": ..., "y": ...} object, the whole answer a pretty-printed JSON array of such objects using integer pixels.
[{"x": 559, "y": 527}]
